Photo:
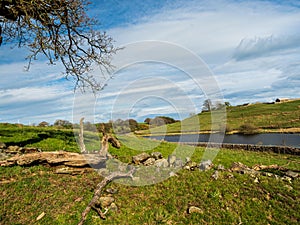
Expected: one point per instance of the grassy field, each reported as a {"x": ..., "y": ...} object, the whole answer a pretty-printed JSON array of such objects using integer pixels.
[
  {"x": 234, "y": 198},
  {"x": 265, "y": 117}
]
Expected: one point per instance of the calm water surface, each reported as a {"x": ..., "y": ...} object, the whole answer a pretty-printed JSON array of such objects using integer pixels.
[{"x": 279, "y": 139}]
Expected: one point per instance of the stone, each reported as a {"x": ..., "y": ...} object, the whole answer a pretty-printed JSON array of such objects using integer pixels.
[
  {"x": 173, "y": 174},
  {"x": 194, "y": 209},
  {"x": 215, "y": 175},
  {"x": 105, "y": 202},
  {"x": 149, "y": 162},
  {"x": 113, "y": 207},
  {"x": 111, "y": 190},
  {"x": 178, "y": 163},
  {"x": 156, "y": 155},
  {"x": 286, "y": 178},
  {"x": 191, "y": 165},
  {"x": 138, "y": 159},
  {"x": 243, "y": 169},
  {"x": 205, "y": 165},
  {"x": 161, "y": 163},
  {"x": 2, "y": 145},
  {"x": 221, "y": 167},
  {"x": 187, "y": 159},
  {"x": 171, "y": 160}
]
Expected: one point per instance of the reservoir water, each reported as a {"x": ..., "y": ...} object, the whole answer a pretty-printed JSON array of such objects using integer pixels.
[{"x": 277, "y": 139}]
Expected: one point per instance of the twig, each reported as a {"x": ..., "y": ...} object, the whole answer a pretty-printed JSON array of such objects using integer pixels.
[{"x": 97, "y": 194}]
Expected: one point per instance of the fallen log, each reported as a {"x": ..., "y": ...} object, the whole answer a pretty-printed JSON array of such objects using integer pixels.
[{"x": 60, "y": 158}]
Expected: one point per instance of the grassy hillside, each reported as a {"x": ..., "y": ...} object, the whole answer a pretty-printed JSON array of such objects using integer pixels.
[
  {"x": 232, "y": 199},
  {"x": 264, "y": 117},
  {"x": 27, "y": 192}
]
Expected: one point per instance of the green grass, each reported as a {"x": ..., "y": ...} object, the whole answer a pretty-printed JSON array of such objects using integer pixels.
[
  {"x": 26, "y": 192},
  {"x": 266, "y": 117}
]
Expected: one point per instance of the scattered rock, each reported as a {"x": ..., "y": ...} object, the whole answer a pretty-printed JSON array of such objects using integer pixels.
[
  {"x": 138, "y": 159},
  {"x": 256, "y": 180},
  {"x": 113, "y": 207},
  {"x": 2, "y": 145},
  {"x": 286, "y": 178},
  {"x": 156, "y": 155},
  {"x": 178, "y": 163},
  {"x": 220, "y": 167},
  {"x": 191, "y": 166},
  {"x": 171, "y": 160},
  {"x": 161, "y": 163},
  {"x": 243, "y": 169},
  {"x": 205, "y": 165},
  {"x": 173, "y": 174},
  {"x": 194, "y": 209},
  {"x": 105, "y": 202},
  {"x": 111, "y": 190},
  {"x": 149, "y": 162},
  {"x": 187, "y": 159},
  {"x": 215, "y": 175}
]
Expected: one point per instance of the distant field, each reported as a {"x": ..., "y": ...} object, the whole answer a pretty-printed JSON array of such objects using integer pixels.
[{"x": 264, "y": 117}]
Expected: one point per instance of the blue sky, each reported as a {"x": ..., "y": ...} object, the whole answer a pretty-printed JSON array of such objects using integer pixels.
[{"x": 252, "y": 48}]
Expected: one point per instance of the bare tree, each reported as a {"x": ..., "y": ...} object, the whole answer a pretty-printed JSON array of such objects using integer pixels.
[{"x": 62, "y": 31}]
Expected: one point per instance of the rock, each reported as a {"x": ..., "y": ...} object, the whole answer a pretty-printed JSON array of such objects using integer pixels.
[
  {"x": 205, "y": 165},
  {"x": 2, "y": 145},
  {"x": 149, "y": 162},
  {"x": 292, "y": 174},
  {"x": 161, "y": 163},
  {"x": 194, "y": 209},
  {"x": 187, "y": 159},
  {"x": 111, "y": 190},
  {"x": 191, "y": 165},
  {"x": 156, "y": 155},
  {"x": 171, "y": 160},
  {"x": 221, "y": 167},
  {"x": 215, "y": 175},
  {"x": 113, "y": 207},
  {"x": 173, "y": 174},
  {"x": 138, "y": 159},
  {"x": 243, "y": 169},
  {"x": 286, "y": 178},
  {"x": 105, "y": 202},
  {"x": 178, "y": 163},
  {"x": 238, "y": 167}
]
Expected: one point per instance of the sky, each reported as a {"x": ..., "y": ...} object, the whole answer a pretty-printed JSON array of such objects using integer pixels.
[{"x": 177, "y": 53}]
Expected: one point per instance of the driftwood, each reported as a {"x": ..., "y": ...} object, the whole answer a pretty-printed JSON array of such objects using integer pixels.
[{"x": 60, "y": 158}]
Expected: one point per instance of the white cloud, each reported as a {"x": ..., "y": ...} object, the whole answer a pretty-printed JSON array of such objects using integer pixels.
[{"x": 251, "y": 46}]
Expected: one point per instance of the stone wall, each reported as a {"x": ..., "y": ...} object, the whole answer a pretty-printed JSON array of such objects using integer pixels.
[{"x": 256, "y": 148}]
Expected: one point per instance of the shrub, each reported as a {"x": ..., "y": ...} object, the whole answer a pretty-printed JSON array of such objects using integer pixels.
[{"x": 248, "y": 129}]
